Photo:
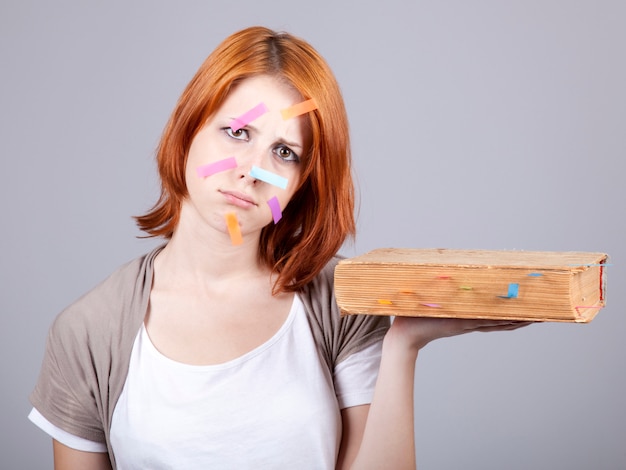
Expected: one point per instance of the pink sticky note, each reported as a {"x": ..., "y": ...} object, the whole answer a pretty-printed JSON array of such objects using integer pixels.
[
  {"x": 215, "y": 167},
  {"x": 432, "y": 305},
  {"x": 249, "y": 116},
  {"x": 275, "y": 208}
]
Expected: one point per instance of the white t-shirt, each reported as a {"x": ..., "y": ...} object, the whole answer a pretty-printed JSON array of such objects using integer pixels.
[{"x": 274, "y": 407}]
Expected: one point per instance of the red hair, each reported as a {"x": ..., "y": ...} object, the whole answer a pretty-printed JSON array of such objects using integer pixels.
[{"x": 320, "y": 216}]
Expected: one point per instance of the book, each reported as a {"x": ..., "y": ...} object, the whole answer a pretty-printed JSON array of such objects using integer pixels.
[{"x": 478, "y": 284}]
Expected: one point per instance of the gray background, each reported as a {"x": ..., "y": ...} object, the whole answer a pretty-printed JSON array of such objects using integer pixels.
[{"x": 475, "y": 124}]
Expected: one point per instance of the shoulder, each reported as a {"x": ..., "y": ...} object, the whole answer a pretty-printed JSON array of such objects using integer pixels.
[
  {"x": 106, "y": 305},
  {"x": 340, "y": 335},
  {"x": 88, "y": 350},
  {"x": 318, "y": 296},
  {"x": 323, "y": 283}
]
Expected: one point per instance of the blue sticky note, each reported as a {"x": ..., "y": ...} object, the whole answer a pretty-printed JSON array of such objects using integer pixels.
[
  {"x": 268, "y": 177},
  {"x": 513, "y": 290}
]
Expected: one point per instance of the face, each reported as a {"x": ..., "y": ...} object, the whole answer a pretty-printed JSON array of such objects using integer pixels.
[{"x": 252, "y": 171}]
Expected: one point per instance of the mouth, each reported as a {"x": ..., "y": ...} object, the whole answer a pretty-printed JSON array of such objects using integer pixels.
[{"x": 238, "y": 199}]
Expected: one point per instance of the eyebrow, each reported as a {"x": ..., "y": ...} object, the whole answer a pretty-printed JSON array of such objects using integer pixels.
[
  {"x": 291, "y": 144},
  {"x": 250, "y": 115}
]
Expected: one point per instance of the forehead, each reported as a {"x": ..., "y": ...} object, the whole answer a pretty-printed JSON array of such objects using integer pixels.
[
  {"x": 272, "y": 95},
  {"x": 275, "y": 93}
]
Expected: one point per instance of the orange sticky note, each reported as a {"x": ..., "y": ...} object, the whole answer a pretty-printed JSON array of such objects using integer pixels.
[
  {"x": 233, "y": 228},
  {"x": 298, "y": 109}
]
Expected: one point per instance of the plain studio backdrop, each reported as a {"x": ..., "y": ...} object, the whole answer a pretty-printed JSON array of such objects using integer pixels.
[{"x": 475, "y": 124}]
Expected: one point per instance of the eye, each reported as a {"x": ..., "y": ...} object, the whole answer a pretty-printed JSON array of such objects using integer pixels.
[
  {"x": 286, "y": 154},
  {"x": 239, "y": 134}
]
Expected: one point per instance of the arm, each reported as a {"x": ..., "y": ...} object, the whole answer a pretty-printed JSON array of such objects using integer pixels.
[
  {"x": 388, "y": 436},
  {"x": 353, "y": 421},
  {"x": 381, "y": 435},
  {"x": 66, "y": 458}
]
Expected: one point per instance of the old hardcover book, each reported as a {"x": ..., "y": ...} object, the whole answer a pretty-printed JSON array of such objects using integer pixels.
[{"x": 508, "y": 285}]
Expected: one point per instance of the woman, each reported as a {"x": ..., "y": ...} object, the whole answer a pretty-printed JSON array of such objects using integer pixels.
[{"x": 224, "y": 347}]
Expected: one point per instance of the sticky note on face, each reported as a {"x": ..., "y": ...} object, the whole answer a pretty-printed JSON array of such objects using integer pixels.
[
  {"x": 216, "y": 167},
  {"x": 268, "y": 177},
  {"x": 249, "y": 116},
  {"x": 298, "y": 109},
  {"x": 275, "y": 208},
  {"x": 233, "y": 228}
]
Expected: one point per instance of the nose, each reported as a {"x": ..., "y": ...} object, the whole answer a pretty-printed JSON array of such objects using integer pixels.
[{"x": 246, "y": 160}]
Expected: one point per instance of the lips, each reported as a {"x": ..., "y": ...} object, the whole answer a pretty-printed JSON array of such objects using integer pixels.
[{"x": 238, "y": 199}]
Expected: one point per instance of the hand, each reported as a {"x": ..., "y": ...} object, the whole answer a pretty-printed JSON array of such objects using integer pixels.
[{"x": 417, "y": 332}]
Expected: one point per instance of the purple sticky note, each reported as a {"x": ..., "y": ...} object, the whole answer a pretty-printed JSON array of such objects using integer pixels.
[{"x": 275, "y": 208}]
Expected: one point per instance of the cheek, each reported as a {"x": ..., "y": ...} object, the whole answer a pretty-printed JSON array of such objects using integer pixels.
[
  {"x": 277, "y": 201},
  {"x": 286, "y": 195},
  {"x": 192, "y": 178},
  {"x": 205, "y": 148},
  {"x": 275, "y": 206},
  {"x": 294, "y": 182}
]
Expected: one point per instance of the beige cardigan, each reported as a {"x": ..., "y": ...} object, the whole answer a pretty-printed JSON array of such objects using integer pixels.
[{"x": 89, "y": 345}]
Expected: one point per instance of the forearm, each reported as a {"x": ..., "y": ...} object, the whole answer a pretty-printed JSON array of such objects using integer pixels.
[{"x": 388, "y": 439}]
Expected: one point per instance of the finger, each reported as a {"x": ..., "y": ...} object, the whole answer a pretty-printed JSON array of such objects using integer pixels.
[
  {"x": 479, "y": 324},
  {"x": 505, "y": 327}
]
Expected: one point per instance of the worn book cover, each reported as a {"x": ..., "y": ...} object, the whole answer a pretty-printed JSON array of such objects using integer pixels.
[{"x": 513, "y": 285}]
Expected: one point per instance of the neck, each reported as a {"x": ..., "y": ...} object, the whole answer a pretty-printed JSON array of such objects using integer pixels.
[{"x": 208, "y": 257}]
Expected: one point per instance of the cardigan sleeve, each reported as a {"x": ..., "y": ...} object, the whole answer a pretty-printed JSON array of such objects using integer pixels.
[
  {"x": 64, "y": 393},
  {"x": 88, "y": 350}
]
